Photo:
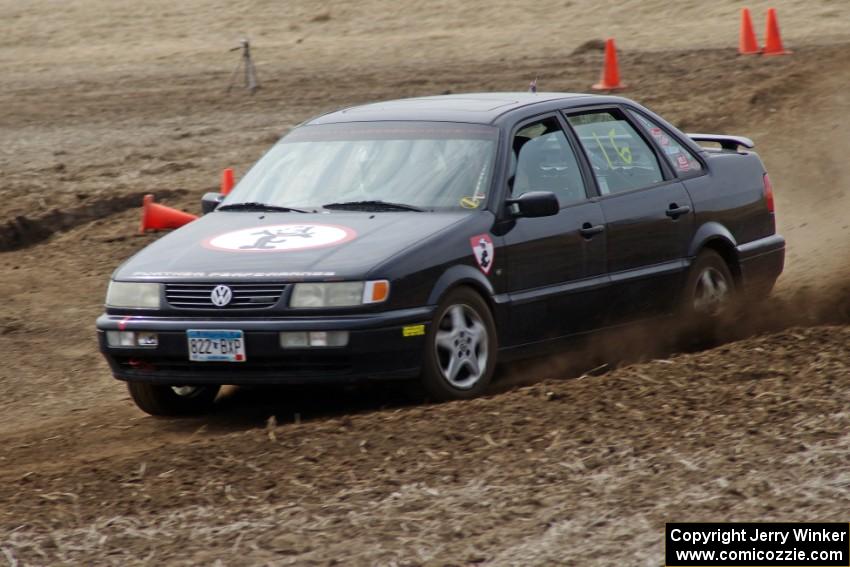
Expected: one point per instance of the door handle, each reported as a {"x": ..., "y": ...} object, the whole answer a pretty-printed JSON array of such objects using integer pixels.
[
  {"x": 588, "y": 230},
  {"x": 675, "y": 211}
]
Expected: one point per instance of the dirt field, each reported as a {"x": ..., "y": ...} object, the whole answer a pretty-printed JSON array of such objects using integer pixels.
[{"x": 104, "y": 101}]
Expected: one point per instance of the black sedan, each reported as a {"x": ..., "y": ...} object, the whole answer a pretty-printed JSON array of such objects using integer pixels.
[{"x": 429, "y": 238}]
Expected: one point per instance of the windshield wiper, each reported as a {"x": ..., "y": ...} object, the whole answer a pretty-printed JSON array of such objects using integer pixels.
[
  {"x": 377, "y": 206},
  {"x": 251, "y": 206}
]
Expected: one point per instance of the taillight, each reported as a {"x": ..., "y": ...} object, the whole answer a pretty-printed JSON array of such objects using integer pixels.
[{"x": 768, "y": 194}]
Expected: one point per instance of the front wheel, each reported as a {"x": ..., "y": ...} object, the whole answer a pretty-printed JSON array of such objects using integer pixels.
[
  {"x": 164, "y": 400},
  {"x": 460, "y": 351}
]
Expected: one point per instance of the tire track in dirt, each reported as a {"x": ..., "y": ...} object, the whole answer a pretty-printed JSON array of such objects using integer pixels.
[
  {"x": 25, "y": 230},
  {"x": 548, "y": 473}
]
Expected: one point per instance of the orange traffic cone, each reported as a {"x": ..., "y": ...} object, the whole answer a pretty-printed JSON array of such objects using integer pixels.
[
  {"x": 747, "y": 43},
  {"x": 227, "y": 181},
  {"x": 772, "y": 39},
  {"x": 158, "y": 217},
  {"x": 610, "y": 73}
]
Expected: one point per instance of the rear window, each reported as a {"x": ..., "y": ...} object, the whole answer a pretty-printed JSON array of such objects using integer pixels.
[
  {"x": 680, "y": 158},
  {"x": 621, "y": 159}
]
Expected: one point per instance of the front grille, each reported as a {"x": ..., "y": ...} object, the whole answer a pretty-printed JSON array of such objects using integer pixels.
[{"x": 245, "y": 295}]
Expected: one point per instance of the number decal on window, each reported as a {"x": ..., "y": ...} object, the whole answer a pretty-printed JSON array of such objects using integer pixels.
[
  {"x": 622, "y": 160},
  {"x": 601, "y": 147},
  {"x": 625, "y": 152}
]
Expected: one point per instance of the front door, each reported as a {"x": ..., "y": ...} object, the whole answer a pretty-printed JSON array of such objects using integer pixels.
[{"x": 556, "y": 264}]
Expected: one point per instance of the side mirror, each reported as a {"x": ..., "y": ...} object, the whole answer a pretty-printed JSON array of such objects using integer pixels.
[
  {"x": 534, "y": 204},
  {"x": 210, "y": 201}
]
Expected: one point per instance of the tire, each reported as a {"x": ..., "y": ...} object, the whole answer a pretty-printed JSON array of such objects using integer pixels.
[
  {"x": 709, "y": 298},
  {"x": 165, "y": 400},
  {"x": 461, "y": 348}
]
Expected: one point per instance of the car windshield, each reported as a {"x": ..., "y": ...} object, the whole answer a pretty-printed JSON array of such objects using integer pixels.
[{"x": 375, "y": 166}]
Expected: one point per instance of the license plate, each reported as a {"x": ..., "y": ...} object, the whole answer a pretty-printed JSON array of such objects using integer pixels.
[{"x": 216, "y": 346}]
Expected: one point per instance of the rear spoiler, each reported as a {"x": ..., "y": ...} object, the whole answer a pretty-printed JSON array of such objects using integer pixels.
[{"x": 726, "y": 142}]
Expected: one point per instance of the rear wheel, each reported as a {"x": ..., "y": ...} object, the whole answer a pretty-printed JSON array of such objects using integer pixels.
[
  {"x": 709, "y": 296},
  {"x": 164, "y": 400},
  {"x": 460, "y": 351}
]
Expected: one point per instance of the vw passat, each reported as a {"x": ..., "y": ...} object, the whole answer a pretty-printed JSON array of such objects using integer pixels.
[{"x": 426, "y": 239}]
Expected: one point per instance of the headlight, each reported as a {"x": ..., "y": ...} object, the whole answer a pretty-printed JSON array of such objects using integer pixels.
[
  {"x": 339, "y": 294},
  {"x": 133, "y": 294}
]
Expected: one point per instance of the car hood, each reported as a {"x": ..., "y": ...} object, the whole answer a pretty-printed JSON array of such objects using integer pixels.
[{"x": 233, "y": 246}]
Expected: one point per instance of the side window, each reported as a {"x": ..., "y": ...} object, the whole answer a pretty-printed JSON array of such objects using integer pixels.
[
  {"x": 621, "y": 159},
  {"x": 545, "y": 161},
  {"x": 682, "y": 160}
]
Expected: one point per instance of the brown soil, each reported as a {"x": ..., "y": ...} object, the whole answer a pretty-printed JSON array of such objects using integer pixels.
[{"x": 102, "y": 104}]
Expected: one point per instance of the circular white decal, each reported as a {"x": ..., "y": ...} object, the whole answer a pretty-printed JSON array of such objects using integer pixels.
[{"x": 281, "y": 238}]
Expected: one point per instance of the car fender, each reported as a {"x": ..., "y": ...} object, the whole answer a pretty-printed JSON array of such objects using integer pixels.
[
  {"x": 709, "y": 232},
  {"x": 461, "y": 274}
]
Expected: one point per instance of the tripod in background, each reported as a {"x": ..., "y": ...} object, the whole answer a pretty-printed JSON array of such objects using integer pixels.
[{"x": 247, "y": 64}]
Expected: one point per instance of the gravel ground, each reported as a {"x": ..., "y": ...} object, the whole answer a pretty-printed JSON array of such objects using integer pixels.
[{"x": 104, "y": 103}]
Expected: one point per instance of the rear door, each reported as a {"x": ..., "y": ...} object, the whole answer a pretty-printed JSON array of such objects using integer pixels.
[
  {"x": 556, "y": 264},
  {"x": 647, "y": 211}
]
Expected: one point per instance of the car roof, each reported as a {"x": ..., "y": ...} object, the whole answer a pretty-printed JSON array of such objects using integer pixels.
[{"x": 477, "y": 108}]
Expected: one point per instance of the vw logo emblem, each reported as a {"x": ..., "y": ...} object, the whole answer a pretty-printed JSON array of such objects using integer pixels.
[{"x": 221, "y": 295}]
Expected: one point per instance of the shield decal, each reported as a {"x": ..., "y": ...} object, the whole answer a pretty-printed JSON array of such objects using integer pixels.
[{"x": 484, "y": 251}]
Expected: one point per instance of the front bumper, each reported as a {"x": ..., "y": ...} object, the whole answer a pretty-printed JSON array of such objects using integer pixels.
[{"x": 377, "y": 349}]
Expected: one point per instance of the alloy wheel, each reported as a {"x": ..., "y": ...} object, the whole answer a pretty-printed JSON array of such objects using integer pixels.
[
  {"x": 185, "y": 391},
  {"x": 462, "y": 351},
  {"x": 712, "y": 292}
]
